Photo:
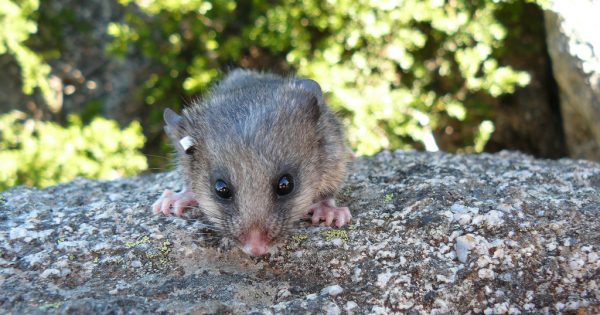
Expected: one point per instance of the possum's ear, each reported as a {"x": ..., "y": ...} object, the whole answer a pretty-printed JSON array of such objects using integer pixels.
[
  {"x": 313, "y": 87},
  {"x": 172, "y": 119},
  {"x": 312, "y": 109},
  {"x": 176, "y": 132}
]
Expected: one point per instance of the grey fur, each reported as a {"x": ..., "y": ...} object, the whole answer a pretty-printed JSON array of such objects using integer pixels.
[{"x": 249, "y": 130}]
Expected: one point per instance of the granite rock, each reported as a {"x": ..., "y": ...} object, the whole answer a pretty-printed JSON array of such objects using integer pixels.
[
  {"x": 574, "y": 47},
  {"x": 432, "y": 233}
]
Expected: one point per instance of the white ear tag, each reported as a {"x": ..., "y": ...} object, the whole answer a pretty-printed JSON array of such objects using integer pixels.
[{"x": 187, "y": 143}]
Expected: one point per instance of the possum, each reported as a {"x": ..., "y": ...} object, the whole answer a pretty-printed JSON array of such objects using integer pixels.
[{"x": 257, "y": 154}]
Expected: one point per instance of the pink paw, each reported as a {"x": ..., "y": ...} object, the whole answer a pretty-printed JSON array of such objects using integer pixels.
[
  {"x": 177, "y": 202},
  {"x": 328, "y": 212}
]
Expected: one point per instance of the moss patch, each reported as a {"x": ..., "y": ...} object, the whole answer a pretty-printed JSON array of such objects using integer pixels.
[
  {"x": 52, "y": 305},
  {"x": 333, "y": 234},
  {"x": 144, "y": 240},
  {"x": 388, "y": 198}
]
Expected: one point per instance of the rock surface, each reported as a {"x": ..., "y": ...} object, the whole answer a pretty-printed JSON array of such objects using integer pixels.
[
  {"x": 432, "y": 233},
  {"x": 574, "y": 46}
]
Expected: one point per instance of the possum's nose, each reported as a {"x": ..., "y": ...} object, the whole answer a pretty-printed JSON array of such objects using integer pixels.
[{"x": 256, "y": 243}]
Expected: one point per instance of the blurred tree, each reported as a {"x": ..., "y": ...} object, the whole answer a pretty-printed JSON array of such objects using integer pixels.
[
  {"x": 16, "y": 25},
  {"x": 40, "y": 153},
  {"x": 44, "y": 153},
  {"x": 395, "y": 70},
  {"x": 401, "y": 73}
]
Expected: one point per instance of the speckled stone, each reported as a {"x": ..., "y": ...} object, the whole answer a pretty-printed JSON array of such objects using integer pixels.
[{"x": 432, "y": 233}]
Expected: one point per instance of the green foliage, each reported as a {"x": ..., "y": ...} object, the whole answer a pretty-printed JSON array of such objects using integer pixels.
[
  {"x": 43, "y": 153},
  {"x": 186, "y": 38},
  {"x": 397, "y": 71},
  {"x": 16, "y": 25}
]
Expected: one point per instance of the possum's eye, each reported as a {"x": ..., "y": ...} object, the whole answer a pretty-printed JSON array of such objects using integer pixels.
[
  {"x": 222, "y": 189},
  {"x": 285, "y": 185}
]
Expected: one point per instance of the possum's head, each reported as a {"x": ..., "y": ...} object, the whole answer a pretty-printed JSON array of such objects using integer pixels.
[{"x": 251, "y": 158}]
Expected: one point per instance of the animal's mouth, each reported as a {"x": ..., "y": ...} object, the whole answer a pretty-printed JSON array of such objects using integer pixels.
[{"x": 256, "y": 243}]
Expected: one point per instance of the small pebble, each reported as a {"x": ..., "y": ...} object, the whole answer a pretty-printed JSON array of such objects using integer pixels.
[
  {"x": 463, "y": 245},
  {"x": 332, "y": 290},
  {"x": 485, "y": 273},
  {"x": 350, "y": 305},
  {"x": 136, "y": 264},
  {"x": 17, "y": 233},
  {"x": 311, "y": 296},
  {"x": 332, "y": 309},
  {"x": 383, "y": 278},
  {"x": 50, "y": 272}
]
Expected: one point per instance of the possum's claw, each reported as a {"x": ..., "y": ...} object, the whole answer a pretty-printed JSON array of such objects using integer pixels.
[
  {"x": 175, "y": 202},
  {"x": 327, "y": 211}
]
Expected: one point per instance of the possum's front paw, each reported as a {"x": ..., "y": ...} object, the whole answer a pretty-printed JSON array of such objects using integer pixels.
[
  {"x": 174, "y": 202},
  {"x": 327, "y": 211}
]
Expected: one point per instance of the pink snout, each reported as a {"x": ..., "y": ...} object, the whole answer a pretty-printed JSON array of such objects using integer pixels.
[{"x": 256, "y": 243}]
